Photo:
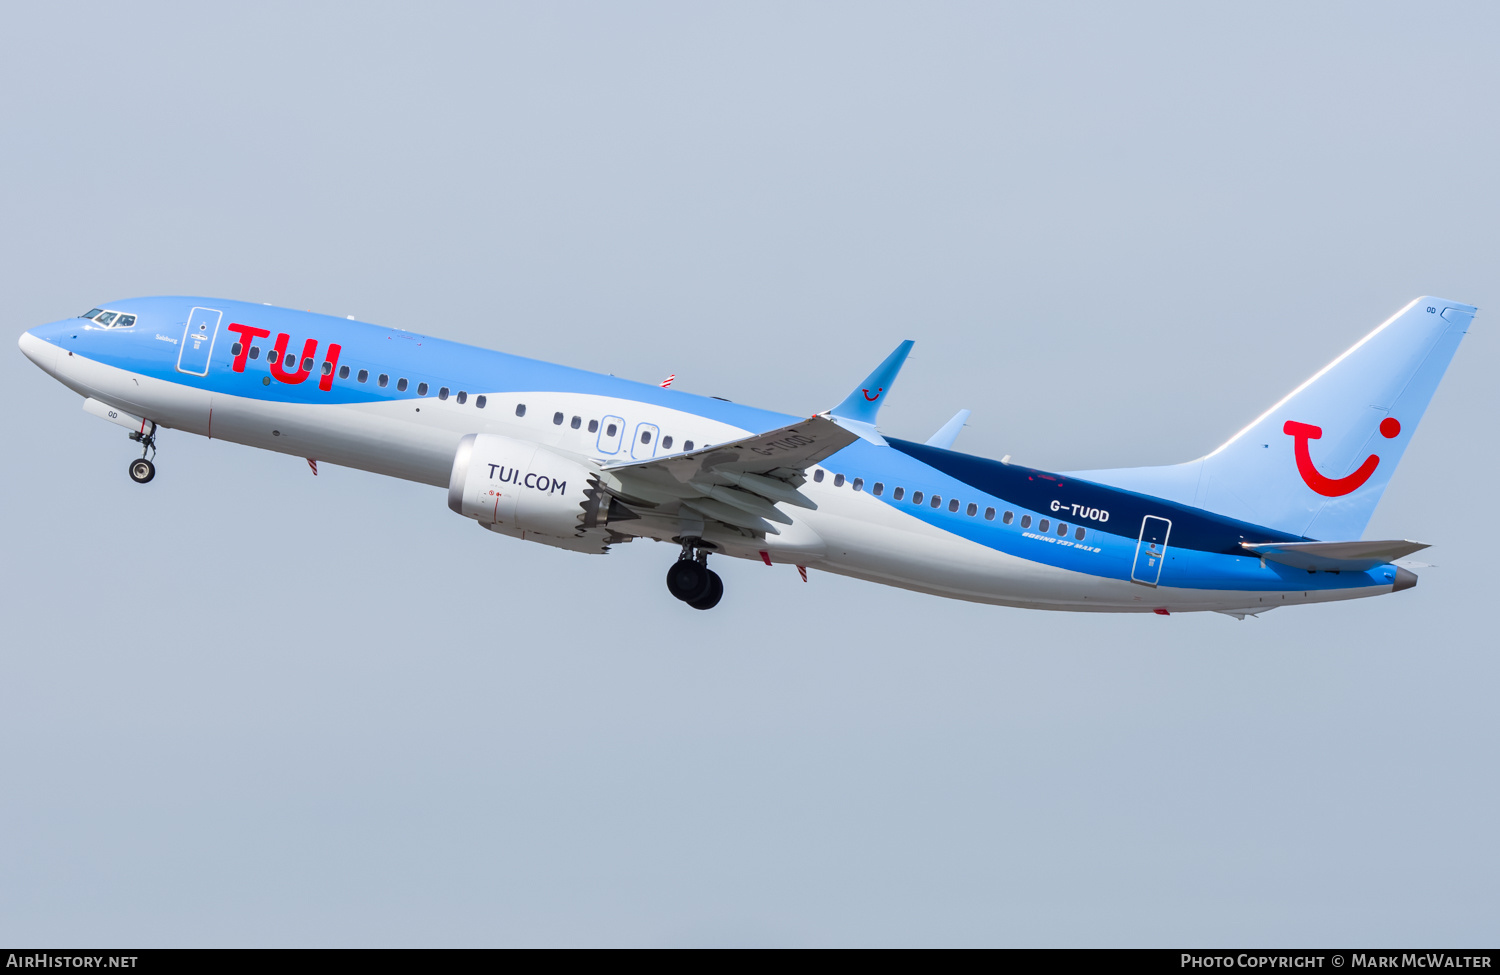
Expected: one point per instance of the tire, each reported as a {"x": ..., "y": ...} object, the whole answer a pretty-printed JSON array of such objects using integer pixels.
[
  {"x": 711, "y": 598},
  {"x": 141, "y": 470},
  {"x": 688, "y": 580}
]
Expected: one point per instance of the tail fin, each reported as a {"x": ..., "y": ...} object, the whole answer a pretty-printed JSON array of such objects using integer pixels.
[{"x": 1316, "y": 463}]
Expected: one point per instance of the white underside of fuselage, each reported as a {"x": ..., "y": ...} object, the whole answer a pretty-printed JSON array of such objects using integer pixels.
[{"x": 850, "y": 533}]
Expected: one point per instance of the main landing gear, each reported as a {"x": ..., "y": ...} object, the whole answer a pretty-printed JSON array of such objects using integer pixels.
[
  {"x": 143, "y": 469},
  {"x": 691, "y": 580}
]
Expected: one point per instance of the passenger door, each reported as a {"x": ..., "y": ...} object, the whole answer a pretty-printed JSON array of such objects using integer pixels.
[
  {"x": 1150, "y": 550},
  {"x": 198, "y": 341}
]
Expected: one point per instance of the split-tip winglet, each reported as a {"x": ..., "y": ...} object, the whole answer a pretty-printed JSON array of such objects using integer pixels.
[{"x": 863, "y": 404}]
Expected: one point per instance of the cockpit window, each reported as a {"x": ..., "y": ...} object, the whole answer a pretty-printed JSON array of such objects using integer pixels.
[
  {"x": 91, "y": 313},
  {"x": 110, "y": 319}
]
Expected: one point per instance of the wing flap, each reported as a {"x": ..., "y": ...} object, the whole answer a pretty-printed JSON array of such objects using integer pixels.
[
  {"x": 737, "y": 484},
  {"x": 796, "y": 447}
]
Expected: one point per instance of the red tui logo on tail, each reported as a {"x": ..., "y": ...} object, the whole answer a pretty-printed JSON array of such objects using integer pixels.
[{"x": 1331, "y": 487}]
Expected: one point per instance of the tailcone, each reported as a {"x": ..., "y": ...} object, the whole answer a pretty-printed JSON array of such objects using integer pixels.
[{"x": 1405, "y": 579}]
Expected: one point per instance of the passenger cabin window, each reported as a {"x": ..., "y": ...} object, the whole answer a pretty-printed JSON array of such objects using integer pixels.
[
  {"x": 1062, "y": 530},
  {"x": 255, "y": 354},
  {"x": 343, "y": 370},
  {"x": 557, "y": 419},
  {"x": 916, "y": 497},
  {"x": 610, "y": 430},
  {"x": 899, "y": 493},
  {"x": 401, "y": 385},
  {"x": 443, "y": 392},
  {"x": 576, "y": 422},
  {"x": 520, "y": 407},
  {"x": 858, "y": 484},
  {"x": 307, "y": 364},
  {"x": 479, "y": 402},
  {"x": 593, "y": 426},
  {"x": 364, "y": 374},
  {"x": 382, "y": 380},
  {"x": 1043, "y": 526},
  {"x": 818, "y": 476},
  {"x": 972, "y": 510},
  {"x": 1010, "y": 516},
  {"x": 666, "y": 443},
  {"x": 645, "y": 436},
  {"x": 1025, "y": 521},
  {"x": 421, "y": 389},
  {"x": 877, "y": 489},
  {"x": 937, "y": 499},
  {"x": 236, "y": 349},
  {"x": 687, "y": 445},
  {"x": 838, "y": 480},
  {"x": 290, "y": 361},
  {"x": 953, "y": 505},
  {"x": 462, "y": 397},
  {"x": 989, "y": 514},
  {"x": 1078, "y": 533},
  {"x": 327, "y": 368}
]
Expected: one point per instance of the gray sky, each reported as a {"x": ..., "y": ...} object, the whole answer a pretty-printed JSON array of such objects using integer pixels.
[{"x": 246, "y": 706}]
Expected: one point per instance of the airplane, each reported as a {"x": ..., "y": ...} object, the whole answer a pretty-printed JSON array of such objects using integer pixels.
[{"x": 585, "y": 462}]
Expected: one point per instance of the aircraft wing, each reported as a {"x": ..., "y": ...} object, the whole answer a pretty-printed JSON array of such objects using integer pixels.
[
  {"x": 738, "y": 484},
  {"x": 1334, "y": 556}
]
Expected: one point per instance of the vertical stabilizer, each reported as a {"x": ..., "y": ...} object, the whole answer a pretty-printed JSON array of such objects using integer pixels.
[{"x": 1316, "y": 463}]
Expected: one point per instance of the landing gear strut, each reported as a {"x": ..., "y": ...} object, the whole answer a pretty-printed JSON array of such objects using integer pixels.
[
  {"x": 143, "y": 469},
  {"x": 691, "y": 580}
]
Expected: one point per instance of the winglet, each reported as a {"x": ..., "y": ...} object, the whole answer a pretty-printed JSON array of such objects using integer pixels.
[
  {"x": 944, "y": 438},
  {"x": 862, "y": 404}
]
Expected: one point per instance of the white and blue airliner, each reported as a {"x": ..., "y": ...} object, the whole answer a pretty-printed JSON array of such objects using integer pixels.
[{"x": 550, "y": 454}]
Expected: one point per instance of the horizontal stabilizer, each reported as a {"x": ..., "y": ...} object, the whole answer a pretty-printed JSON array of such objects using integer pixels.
[
  {"x": 1334, "y": 556},
  {"x": 944, "y": 438}
]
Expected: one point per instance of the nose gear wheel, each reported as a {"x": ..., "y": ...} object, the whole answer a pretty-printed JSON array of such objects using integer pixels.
[{"x": 143, "y": 469}]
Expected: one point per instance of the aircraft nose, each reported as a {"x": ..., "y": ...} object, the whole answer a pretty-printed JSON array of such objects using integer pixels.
[{"x": 38, "y": 350}]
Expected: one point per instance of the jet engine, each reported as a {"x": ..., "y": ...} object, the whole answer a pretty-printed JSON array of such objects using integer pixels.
[{"x": 519, "y": 488}]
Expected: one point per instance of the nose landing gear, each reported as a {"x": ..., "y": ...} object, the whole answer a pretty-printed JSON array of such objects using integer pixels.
[
  {"x": 691, "y": 580},
  {"x": 142, "y": 470}
]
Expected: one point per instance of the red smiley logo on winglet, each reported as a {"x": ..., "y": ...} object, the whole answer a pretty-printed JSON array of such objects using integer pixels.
[
  {"x": 1331, "y": 487},
  {"x": 875, "y": 397}
]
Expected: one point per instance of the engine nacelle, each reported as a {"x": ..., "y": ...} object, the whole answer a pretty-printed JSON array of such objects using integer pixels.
[{"x": 516, "y": 486}]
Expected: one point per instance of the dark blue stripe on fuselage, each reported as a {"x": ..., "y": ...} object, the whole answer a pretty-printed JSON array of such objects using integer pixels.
[{"x": 1027, "y": 487}]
